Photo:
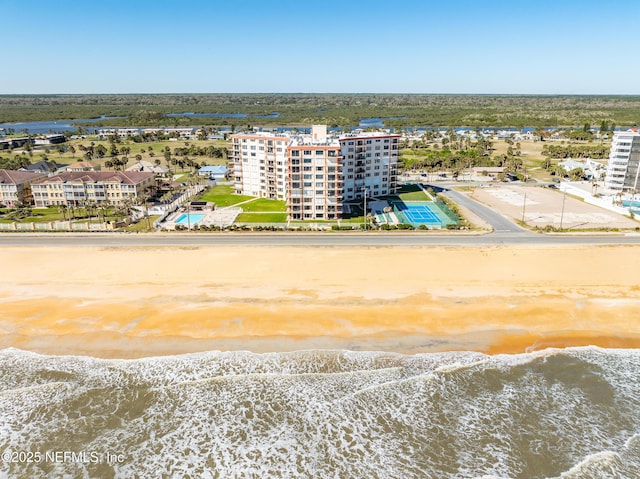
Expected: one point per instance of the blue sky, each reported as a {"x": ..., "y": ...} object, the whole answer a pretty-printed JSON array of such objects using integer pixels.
[{"x": 502, "y": 47}]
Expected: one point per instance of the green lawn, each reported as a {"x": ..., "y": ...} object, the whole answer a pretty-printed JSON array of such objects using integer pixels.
[
  {"x": 353, "y": 220},
  {"x": 37, "y": 215},
  {"x": 223, "y": 195},
  {"x": 135, "y": 149},
  {"x": 261, "y": 218},
  {"x": 142, "y": 225},
  {"x": 51, "y": 214},
  {"x": 412, "y": 193},
  {"x": 265, "y": 205}
]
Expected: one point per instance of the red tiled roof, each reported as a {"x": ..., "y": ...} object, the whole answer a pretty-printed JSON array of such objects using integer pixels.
[
  {"x": 130, "y": 178},
  {"x": 14, "y": 177}
]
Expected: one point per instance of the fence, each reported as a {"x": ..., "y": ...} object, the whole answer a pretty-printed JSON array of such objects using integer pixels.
[
  {"x": 400, "y": 215},
  {"x": 447, "y": 211},
  {"x": 175, "y": 204},
  {"x": 57, "y": 226}
]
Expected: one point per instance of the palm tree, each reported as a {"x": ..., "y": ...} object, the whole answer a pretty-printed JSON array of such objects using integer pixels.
[
  {"x": 143, "y": 200},
  {"x": 63, "y": 209},
  {"x": 104, "y": 206},
  {"x": 126, "y": 206},
  {"x": 90, "y": 207}
]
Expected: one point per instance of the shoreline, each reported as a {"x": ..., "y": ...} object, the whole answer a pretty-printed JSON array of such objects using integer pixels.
[{"x": 134, "y": 302}]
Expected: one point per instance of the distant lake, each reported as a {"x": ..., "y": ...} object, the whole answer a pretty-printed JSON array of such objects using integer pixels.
[
  {"x": 377, "y": 122},
  {"x": 274, "y": 114},
  {"x": 58, "y": 126},
  {"x": 63, "y": 126}
]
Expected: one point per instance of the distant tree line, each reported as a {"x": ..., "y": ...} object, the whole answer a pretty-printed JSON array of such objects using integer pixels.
[
  {"x": 576, "y": 151},
  {"x": 342, "y": 110}
]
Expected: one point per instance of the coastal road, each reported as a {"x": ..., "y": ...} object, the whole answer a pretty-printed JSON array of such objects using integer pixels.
[
  {"x": 499, "y": 223},
  {"x": 309, "y": 239},
  {"x": 505, "y": 232}
]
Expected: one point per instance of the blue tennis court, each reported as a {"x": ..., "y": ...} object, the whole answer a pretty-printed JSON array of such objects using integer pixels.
[
  {"x": 427, "y": 213},
  {"x": 416, "y": 213}
]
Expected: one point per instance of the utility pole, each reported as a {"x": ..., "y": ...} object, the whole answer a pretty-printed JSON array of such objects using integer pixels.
[
  {"x": 564, "y": 197},
  {"x": 364, "y": 188},
  {"x": 524, "y": 205}
]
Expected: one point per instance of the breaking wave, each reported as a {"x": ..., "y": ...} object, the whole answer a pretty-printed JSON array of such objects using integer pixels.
[{"x": 559, "y": 413}]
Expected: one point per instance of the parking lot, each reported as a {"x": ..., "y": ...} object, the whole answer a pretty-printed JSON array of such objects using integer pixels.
[{"x": 543, "y": 206}]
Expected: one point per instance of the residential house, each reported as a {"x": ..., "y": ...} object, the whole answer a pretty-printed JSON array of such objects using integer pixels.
[
  {"x": 217, "y": 172},
  {"x": 42, "y": 166},
  {"x": 143, "y": 165},
  {"x": 82, "y": 166}
]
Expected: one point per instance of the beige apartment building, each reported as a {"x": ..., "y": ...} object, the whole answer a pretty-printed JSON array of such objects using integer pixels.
[
  {"x": 315, "y": 173},
  {"x": 259, "y": 164},
  {"x": 15, "y": 187},
  {"x": 73, "y": 188}
]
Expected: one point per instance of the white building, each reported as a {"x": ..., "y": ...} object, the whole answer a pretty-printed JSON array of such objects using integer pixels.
[
  {"x": 120, "y": 132},
  {"x": 623, "y": 168},
  {"x": 370, "y": 164},
  {"x": 259, "y": 161},
  {"x": 315, "y": 173},
  {"x": 315, "y": 186}
]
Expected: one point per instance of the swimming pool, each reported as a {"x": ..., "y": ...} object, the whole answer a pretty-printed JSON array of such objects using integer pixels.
[
  {"x": 189, "y": 218},
  {"x": 632, "y": 204}
]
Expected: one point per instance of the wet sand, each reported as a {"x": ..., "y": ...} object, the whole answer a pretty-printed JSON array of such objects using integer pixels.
[{"x": 144, "y": 301}]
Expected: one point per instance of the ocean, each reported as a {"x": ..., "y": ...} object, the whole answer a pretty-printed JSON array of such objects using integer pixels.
[{"x": 558, "y": 413}]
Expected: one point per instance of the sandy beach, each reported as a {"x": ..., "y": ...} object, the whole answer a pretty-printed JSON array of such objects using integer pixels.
[{"x": 134, "y": 302}]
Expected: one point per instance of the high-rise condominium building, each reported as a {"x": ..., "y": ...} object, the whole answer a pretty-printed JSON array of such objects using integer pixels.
[
  {"x": 623, "y": 168},
  {"x": 315, "y": 174}
]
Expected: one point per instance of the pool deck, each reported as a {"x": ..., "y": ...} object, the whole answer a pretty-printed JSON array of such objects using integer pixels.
[{"x": 219, "y": 217}]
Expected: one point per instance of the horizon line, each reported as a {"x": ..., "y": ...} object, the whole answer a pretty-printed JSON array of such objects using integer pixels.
[{"x": 318, "y": 93}]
